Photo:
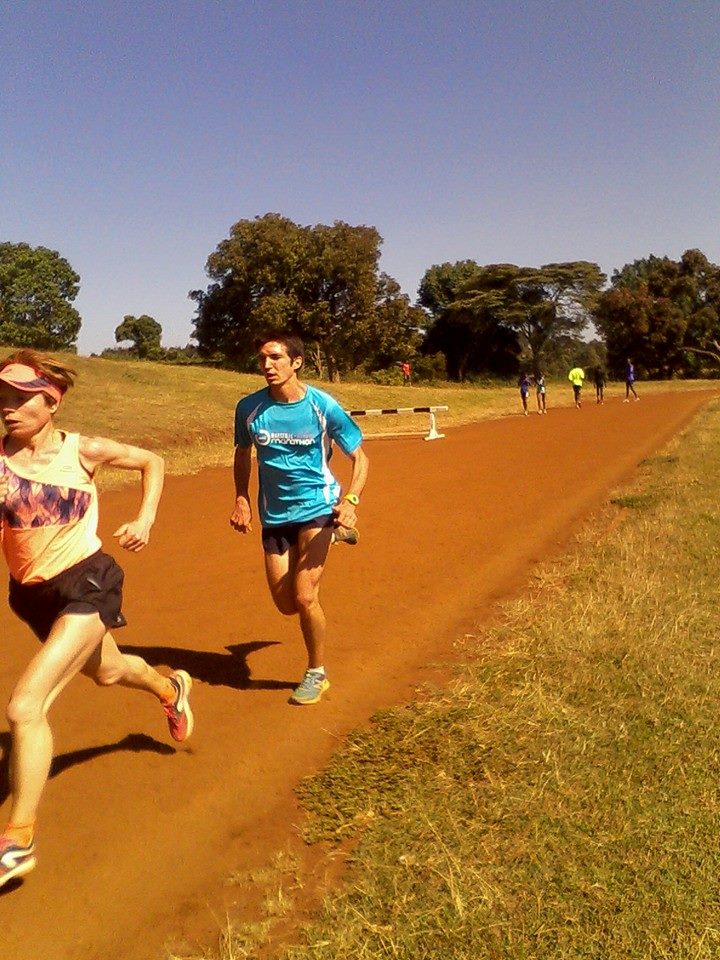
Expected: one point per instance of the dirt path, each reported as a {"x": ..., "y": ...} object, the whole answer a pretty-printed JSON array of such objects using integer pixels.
[{"x": 136, "y": 835}]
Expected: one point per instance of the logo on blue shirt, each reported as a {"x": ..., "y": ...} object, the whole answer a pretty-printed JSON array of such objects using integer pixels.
[{"x": 264, "y": 437}]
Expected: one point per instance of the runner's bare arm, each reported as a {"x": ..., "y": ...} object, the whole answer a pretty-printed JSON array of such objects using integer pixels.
[
  {"x": 345, "y": 514},
  {"x": 100, "y": 451},
  {"x": 241, "y": 519}
]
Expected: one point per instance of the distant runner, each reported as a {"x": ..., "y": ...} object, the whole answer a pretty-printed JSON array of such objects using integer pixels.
[
  {"x": 524, "y": 384},
  {"x": 576, "y": 377},
  {"x": 630, "y": 382},
  {"x": 599, "y": 377},
  {"x": 61, "y": 583},
  {"x": 541, "y": 392},
  {"x": 292, "y": 426}
]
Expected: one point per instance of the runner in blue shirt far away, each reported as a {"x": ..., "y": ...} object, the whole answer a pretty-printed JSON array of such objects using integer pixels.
[{"x": 630, "y": 381}]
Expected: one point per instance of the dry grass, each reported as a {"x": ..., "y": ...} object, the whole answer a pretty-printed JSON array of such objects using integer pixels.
[
  {"x": 562, "y": 800},
  {"x": 275, "y": 886}
]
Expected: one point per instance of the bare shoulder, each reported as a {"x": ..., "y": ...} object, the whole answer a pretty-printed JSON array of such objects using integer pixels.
[
  {"x": 100, "y": 449},
  {"x": 96, "y": 451}
]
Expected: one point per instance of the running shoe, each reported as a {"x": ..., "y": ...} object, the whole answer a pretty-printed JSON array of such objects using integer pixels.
[
  {"x": 347, "y": 535},
  {"x": 310, "y": 689},
  {"x": 15, "y": 860},
  {"x": 179, "y": 715}
]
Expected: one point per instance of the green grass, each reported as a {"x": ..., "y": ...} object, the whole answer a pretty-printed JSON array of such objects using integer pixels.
[{"x": 562, "y": 799}]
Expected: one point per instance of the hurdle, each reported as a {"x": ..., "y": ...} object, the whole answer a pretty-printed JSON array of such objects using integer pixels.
[{"x": 431, "y": 411}]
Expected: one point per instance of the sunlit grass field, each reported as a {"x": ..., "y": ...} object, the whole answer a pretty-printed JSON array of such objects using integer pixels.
[
  {"x": 186, "y": 413},
  {"x": 562, "y": 798}
]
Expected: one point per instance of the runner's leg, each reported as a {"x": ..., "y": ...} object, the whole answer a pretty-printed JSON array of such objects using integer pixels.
[
  {"x": 280, "y": 574},
  {"x": 72, "y": 640},
  {"x": 313, "y": 546},
  {"x": 294, "y": 581},
  {"x": 107, "y": 666}
]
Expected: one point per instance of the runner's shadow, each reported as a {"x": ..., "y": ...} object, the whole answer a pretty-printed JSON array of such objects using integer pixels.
[
  {"x": 218, "y": 669},
  {"x": 134, "y": 742}
]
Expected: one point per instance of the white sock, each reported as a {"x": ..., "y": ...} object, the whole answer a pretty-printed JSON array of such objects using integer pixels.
[{"x": 319, "y": 670}]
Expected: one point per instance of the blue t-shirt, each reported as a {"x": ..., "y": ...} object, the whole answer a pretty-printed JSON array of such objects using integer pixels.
[{"x": 293, "y": 443}]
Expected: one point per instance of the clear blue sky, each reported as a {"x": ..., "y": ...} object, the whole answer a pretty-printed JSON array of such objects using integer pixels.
[{"x": 134, "y": 133}]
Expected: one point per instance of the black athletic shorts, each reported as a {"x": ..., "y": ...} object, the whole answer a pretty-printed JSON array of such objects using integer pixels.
[
  {"x": 92, "y": 586},
  {"x": 278, "y": 540}
]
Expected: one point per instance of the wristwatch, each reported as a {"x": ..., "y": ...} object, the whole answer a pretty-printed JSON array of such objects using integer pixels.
[{"x": 352, "y": 498}]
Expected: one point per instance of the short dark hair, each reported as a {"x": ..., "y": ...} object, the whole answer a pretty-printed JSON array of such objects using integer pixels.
[{"x": 292, "y": 343}]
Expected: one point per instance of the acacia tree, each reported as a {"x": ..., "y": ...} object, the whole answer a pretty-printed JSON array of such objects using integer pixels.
[
  {"x": 541, "y": 304},
  {"x": 144, "y": 332},
  {"x": 665, "y": 314},
  {"x": 482, "y": 316},
  {"x": 37, "y": 288},
  {"x": 321, "y": 282}
]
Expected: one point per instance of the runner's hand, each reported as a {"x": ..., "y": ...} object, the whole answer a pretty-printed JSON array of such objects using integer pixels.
[
  {"x": 241, "y": 519},
  {"x": 345, "y": 515},
  {"x": 133, "y": 536}
]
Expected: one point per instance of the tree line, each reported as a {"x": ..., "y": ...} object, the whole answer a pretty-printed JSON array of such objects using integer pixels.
[{"x": 470, "y": 320}]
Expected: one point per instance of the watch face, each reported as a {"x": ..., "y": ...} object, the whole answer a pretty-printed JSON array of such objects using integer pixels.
[{"x": 352, "y": 498}]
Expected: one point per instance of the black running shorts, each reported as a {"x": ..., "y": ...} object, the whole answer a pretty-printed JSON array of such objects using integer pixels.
[
  {"x": 278, "y": 540},
  {"x": 92, "y": 586}
]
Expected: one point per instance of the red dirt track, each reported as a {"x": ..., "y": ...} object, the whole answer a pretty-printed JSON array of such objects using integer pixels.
[{"x": 136, "y": 834}]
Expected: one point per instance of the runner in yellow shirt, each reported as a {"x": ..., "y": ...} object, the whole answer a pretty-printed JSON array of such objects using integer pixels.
[{"x": 576, "y": 377}]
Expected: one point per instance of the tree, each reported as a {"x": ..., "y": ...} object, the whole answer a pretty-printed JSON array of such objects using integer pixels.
[
  {"x": 565, "y": 352},
  {"x": 541, "y": 304},
  {"x": 340, "y": 300},
  {"x": 662, "y": 313},
  {"x": 471, "y": 340},
  {"x": 321, "y": 282},
  {"x": 252, "y": 287},
  {"x": 440, "y": 285},
  {"x": 482, "y": 317},
  {"x": 397, "y": 331},
  {"x": 37, "y": 287},
  {"x": 144, "y": 332}
]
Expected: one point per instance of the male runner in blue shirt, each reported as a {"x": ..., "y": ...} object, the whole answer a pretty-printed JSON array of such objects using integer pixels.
[{"x": 292, "y": 426}]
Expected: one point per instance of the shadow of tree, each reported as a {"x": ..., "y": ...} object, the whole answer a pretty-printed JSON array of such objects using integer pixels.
[
  {"x": 133, "y": 742},
  {"x": 218, "y": 669}
]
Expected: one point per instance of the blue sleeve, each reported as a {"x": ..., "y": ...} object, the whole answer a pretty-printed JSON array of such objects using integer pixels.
[
  {"x": 342, "y": 428},
  {"x": 242, "y": 434}
]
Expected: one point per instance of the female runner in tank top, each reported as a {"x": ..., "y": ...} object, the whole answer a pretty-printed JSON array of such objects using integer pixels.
[{"x": 61, "y": 583}]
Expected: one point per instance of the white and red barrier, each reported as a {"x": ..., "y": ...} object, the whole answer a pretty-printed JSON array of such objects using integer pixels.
[{"x": 431, "y": 411}]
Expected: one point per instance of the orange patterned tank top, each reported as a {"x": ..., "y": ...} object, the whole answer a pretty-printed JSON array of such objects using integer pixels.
[{"x": 49, "y": 519}]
